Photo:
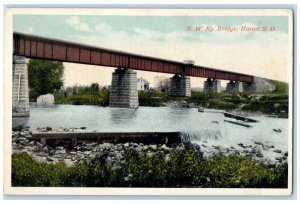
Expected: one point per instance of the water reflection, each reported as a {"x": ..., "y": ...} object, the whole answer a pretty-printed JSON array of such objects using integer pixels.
[
  {"x": 194, "y": 125},
  {"x": 122, "y": 115},
  {"x": 20, "y": 122},
  {"x": 179, "y": 115},
  {"x": 35, "y": 105}
]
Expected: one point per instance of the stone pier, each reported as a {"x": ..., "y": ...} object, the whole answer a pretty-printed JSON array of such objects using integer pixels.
[
  {"x": 123, "y": 93},
  {"x": 259, "y": 85},
  {"x": 20, "y": 91},
  {"x": 180, "y": 86},
  {"x": 249, "y": 87},
  {"x": 212, "y": 85},
  {"x": 234, "y": 86}
]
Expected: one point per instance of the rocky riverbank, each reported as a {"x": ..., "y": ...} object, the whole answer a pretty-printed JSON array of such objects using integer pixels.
[
  {"x": 238, "y": 111},
  {"x": 115, "y": 154},
  {"x": 180, "y": 104}
]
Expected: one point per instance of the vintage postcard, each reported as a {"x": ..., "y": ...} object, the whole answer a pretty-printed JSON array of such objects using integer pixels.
[{"x": 148, "y": 101}]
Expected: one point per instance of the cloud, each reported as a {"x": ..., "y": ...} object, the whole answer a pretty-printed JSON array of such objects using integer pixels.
[
  {"x": 246, "y": 52},
  {"x": 29, "y": 30},
  {"x": 215, "y": 37},
  {"x": 148, "y": 34},
  {"x": 103, "y": 27},
  {"x": 77, "y": 24},
  {"x": 156, "y": 35}
]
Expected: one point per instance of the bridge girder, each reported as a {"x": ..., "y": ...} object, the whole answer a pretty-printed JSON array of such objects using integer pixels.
[{"x": 51, "y": 49}]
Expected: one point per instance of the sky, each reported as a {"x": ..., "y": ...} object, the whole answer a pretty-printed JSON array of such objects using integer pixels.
[{"x": 233, "y": 43}]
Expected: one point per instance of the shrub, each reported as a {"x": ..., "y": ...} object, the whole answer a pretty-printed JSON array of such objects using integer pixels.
[
  {"x": 87, "y": 98},
  {"x": 235, "y": 171},
  {"x": 28, "y": 172},
  {"x": 182, "y": 169},
  {"x": 152, "y": 98},
  {"x": 280, "y": 87}
]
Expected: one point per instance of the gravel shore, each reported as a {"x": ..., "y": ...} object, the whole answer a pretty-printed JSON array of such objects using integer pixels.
[{"x": 115, "y": 154}]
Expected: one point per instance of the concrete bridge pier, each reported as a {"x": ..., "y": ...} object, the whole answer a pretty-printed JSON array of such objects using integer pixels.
[
  {"x": 20, "y": 91},
  {"x": 249, "y": 87},
  {"x": 123, "y": 93},
  {"x": 234, "y": 86},
  {"x": 180, "y": 86},
  {"x": 212, "y": 85}
]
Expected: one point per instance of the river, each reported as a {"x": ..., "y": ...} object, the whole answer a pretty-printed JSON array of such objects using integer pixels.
[{"x": 193, "y": 125}]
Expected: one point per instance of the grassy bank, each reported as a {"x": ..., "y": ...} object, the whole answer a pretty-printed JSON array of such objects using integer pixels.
[
  {"x": 280, "y": 87},
  {"x": 268, "y": 103},
  {"x": 265, "y": 103},
  {"x": 153, "y": 98},
  {"x": 181, "y": 169},
  {"x": 275, "y": 103},
  {"x": 86, "y": 98}
]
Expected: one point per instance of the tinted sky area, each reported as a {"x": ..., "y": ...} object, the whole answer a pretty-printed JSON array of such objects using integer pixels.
[{"x": 256, "y": 45}]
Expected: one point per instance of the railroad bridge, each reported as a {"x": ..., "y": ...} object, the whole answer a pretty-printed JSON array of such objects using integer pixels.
[{"x": 123, "y": 87}]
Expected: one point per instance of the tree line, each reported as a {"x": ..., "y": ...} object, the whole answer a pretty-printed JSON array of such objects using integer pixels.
[{"x": 46, "y": 76}]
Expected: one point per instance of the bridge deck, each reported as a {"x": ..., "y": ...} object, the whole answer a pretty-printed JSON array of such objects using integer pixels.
[{"x": 46, "y": 48}]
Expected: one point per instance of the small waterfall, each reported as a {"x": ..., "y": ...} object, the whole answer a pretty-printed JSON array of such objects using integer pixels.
[{"x": 192, "y": 136}]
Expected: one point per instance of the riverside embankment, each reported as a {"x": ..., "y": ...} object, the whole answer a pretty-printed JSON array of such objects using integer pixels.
[{"x": 115, "y": 153}]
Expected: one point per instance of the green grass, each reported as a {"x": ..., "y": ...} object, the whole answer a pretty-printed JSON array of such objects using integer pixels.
[
  {"x": 185, "y": 169},
  {"x": 271, "y": 103},
  {"x": 79, "y": 99},
  {"x": 224, "y": 101},
  {"x": 86, "y": 98},
  {"x": 153, "y": 98},
  {"x": 281, "y": 87}
]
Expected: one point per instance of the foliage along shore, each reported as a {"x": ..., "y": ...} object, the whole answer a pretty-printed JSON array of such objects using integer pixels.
[
  {"x": 271, "y": 104},
  {"x": 140, "y": 165},
  {"x": 181, "y": 169},
  {"x": 47, "y": 77}
]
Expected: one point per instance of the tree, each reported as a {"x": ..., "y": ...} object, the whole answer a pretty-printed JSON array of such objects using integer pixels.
[
  {"x": 95, "y": 88},
  {"x": 104, "y": 94},
  {"x": 44, "y": 77},
  {"x": 162, "y": 83}
]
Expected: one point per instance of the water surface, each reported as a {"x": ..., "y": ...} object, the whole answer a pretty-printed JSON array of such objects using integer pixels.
[{"x": 209, "y": 126}]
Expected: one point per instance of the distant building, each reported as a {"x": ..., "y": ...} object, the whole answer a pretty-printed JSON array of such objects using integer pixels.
[{"x": 142, "y": 84}]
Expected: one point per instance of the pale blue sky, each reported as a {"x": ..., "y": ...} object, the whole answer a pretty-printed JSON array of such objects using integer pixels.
[
  {"x": 256, "y": 53},
  {"x": 58, "y": 26}
]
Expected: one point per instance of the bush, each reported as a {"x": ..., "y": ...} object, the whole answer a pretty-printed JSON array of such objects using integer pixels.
[
  {"x": 87, "y": 98},
  {"x": 269, "y": 104},
  {"x": 235, "y": 171},
  {"x": 28, "y": 172},
  {"x": 152, "y": 98},
  {"x": 182, "y": 169},
  {"x": 225, "y": 101},
  {"x": 280, "y": 87}
]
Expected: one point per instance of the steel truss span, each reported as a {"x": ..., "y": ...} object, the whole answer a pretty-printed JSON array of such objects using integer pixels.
[{"x": 52, "y": 49}]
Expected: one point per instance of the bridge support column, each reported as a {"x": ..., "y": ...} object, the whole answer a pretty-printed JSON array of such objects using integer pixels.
[
  {"x": 234, "y": 86},
  {"x": 212, "y": 85},
  {"x": 123, "y": 93},
  {"x": 249, "y": 87},
  {"x": 180, "y": 86},
  {"x": 20, "y": 91}
]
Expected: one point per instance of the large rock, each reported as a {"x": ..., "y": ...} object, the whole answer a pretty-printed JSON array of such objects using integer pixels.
[
  {"x": 47, "y": 99},
  {"x": 257, "y": 150},
  {"x": 153, "y": 147},
  {"x": 277, "y": 151}
]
